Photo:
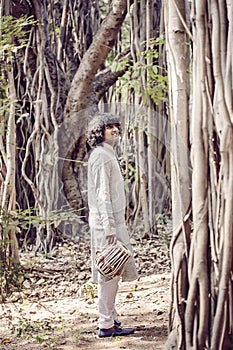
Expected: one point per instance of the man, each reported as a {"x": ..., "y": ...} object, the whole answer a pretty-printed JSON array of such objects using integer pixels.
[{"x": 106, "y": 201}]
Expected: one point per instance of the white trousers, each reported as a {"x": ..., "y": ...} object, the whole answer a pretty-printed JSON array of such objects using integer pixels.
[{"x": 107, "y": 291}]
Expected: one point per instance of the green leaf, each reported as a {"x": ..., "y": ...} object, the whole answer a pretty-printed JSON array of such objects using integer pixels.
[{"x": 39, "y": 339}]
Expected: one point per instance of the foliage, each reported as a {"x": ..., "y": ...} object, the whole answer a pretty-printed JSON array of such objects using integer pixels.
[
  {"x": 11, "y": 275},
  {"x": 42, "y": 331},
  {"x": 29, "y": 217},
  {"x": 27, "y": 327},
  {"x": 88, "y": 291},
  {"x": 161, "y": 219},
  {"x": 156, "y": 85},
  {"x": 103, "y": 5},
  {"x": 162, "y": 223},
  {"x": 13, "y": 37},
  {"x": 129, "y": 171}
]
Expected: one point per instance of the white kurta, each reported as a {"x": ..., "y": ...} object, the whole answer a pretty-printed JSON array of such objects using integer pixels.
[{"x": 106, "y": 201}]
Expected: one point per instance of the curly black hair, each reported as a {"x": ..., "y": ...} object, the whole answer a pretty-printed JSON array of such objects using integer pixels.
[{"x": 96, "y": 127}]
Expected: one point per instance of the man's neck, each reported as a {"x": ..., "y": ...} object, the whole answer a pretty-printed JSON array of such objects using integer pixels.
[{"x": 110, "y": 143}]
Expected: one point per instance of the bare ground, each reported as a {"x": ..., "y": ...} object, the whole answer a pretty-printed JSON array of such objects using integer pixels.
[
  {"x": 56, "y": 311},
  {"x": 70, "y": 323}
]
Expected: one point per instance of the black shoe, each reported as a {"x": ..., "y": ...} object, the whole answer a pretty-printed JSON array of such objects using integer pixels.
[
  {"x": 115, "y": 332},
  {"x": 117, "y": 323}
]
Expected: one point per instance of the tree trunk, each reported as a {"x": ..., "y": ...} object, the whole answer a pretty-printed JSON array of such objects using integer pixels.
[
  {"x": 7, "y": 195},
  {"x": 206, "y": 317},
  {"x": 50, "y": 142},
  {"x": 79, "y": 106},
  {"x": 180, "y": 172}
]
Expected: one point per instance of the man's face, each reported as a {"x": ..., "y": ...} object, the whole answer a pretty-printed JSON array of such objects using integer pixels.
[{"x": 111, "y": 133}]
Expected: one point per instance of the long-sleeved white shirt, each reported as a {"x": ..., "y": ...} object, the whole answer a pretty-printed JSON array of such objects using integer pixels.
[
  {"x": 106, "y": 195},
  {"x": 106, "y": 201}
]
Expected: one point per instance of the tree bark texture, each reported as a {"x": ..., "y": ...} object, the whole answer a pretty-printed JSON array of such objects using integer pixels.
[
  {"x": 180, "y": 170},
  {"x": 49, "y": 85},
  {"x": 60, "y": 77},
  {"x": 146, "y": 124},
  {"x": 9, "y": 244},
  {"x": 79, "y": 97},
  {"x": 7, "y": 193},
  {"x": 206, "y": 319}
]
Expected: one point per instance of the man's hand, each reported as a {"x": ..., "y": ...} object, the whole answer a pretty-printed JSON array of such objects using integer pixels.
[{"x": 111, "y": 239}]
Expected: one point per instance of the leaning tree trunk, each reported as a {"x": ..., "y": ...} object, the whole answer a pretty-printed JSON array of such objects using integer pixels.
[
  {"x": 79, "y": 106},
  {"x": 45, "y": 73}
]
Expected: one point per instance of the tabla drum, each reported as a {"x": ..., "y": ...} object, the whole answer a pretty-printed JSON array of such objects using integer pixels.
[{"x": 111, "y": 260}]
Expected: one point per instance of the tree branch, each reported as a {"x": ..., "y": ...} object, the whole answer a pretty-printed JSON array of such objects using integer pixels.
[
  {"x": 98, "y": 51},
  {"x": 106, "y": 78}
]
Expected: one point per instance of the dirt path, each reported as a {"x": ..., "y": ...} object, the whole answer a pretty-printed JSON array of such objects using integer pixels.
[{"x": 70, "y": 323}]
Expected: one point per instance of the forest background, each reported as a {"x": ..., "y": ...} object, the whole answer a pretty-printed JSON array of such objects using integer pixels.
[{"x": 166, "y": 69}]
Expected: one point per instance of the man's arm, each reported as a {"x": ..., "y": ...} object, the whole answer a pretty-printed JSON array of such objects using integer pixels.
[{"x": 101, "y": 171}]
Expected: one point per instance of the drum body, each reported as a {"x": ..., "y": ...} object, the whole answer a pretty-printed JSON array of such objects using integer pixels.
[{"x": 111, "y": 260}]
